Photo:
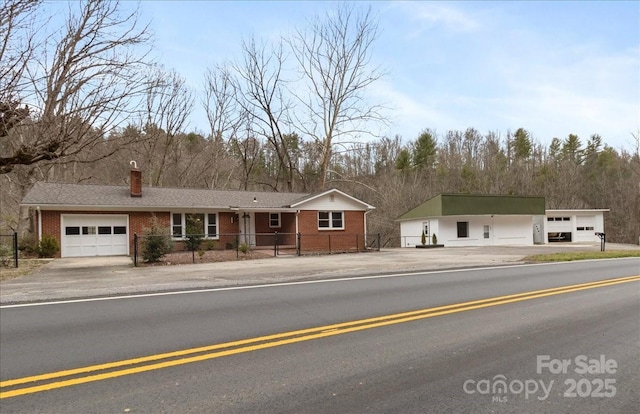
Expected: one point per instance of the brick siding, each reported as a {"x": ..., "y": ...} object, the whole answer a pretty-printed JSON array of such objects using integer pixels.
[{"x": 349, "y": 239}]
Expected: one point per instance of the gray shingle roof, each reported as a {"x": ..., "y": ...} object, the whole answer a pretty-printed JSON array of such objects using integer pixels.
[{"x": 87, "y": 195}]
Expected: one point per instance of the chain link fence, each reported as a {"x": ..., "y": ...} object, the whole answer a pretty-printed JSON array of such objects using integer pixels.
[{"x": 154, "y": 247}]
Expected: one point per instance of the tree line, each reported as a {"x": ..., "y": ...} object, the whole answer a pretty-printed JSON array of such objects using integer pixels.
[{"x": 78, "y": 102}]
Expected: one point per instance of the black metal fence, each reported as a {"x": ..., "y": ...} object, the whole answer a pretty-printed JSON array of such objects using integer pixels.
[
  {"x": 9, "y": 250},
  {"x": 278, "y": 243}
]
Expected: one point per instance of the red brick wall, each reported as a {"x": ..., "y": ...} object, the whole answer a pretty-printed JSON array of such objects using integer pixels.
[
  {"x": 351, "y": 238},
  {"x": 140, "y": 221},
  {"x": 51, "y": 226},
  {"x": 227, "y": 229}
]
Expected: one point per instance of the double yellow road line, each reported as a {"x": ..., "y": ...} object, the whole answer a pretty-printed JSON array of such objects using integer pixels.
[{"x": 66, "y": 378}]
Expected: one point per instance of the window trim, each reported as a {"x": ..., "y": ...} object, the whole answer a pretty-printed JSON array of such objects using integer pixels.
[
  {"x": 279, "y": 225},
  {"x": 183, "y": 225},
  {"x": 330, "y": 220},
  {"x": 208, "y": 224}
]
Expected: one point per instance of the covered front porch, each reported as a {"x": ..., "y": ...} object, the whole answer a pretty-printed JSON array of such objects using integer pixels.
[{"x": 268, "y": 228}]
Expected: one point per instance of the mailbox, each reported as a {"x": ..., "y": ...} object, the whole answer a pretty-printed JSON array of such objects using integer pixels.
[{"x": 602, "y": 240}]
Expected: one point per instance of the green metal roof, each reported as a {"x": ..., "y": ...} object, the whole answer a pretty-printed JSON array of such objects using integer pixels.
[{"x": 476, "y": 204}]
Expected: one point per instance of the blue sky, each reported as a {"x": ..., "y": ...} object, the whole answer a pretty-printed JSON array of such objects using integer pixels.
[{"x": 551, "y": 67}]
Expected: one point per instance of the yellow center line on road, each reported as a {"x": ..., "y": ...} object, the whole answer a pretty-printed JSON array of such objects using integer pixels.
[{"x": 269, "y": 341}]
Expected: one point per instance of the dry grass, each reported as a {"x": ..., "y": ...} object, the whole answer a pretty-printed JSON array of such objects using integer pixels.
[
  {"x": 208, "y": 256},
  {"x": 25, "y": 267}
]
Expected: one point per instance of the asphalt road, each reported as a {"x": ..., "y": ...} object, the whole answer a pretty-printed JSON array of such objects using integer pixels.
[{"x": 431, "y": 360}]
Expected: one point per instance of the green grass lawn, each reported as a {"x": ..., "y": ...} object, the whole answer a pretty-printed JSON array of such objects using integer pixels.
[{"x": 570, "y": 256}]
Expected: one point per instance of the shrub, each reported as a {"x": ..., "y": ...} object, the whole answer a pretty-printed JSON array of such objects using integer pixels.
[
  {"x": 6, "y": 255},
  {"x": 193, "y": 236},
  {"x": 48, "y": 246},
  {"x": 434, "y": 239},
  {"x": 423, "y": 238},
  {"x": 210, "y": 245},
  {"x": 28, "y": 244},
  {"x": 244, "y": 248},
  {"x": 155, "y": 243}
]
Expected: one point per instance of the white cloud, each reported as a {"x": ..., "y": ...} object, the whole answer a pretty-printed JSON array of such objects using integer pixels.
[{"x": 427, "y": 15}]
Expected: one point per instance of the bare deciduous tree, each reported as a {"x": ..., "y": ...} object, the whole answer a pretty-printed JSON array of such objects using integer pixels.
[
  {"x": 80, "y": 82},
  {"x": 247, "y": 150},
  {"x": 334, "y": 58},
  {"x": 168, "y": 105},
  {"x": 225, "y": 118},
  {"x": 263, "y": 96},
  {"x": 16, "y": 49}
]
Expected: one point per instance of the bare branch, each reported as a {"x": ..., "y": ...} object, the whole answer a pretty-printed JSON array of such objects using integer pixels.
[
  {"x": 334, "y": 58},
  {"x": 83, "y": 78},
  {"x": 264, "y": 98}
]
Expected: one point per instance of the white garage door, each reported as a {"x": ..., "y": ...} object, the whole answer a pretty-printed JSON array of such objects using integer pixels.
[
  {"x": 585, "y": 228},
  {"x": 94, "y": 235},
  {"x": 559, "y": 228}
]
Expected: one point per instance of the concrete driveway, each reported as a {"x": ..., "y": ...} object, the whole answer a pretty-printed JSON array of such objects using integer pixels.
[
  {"x": 103, "y": 276},
  {"x": 89, "y": 262}
]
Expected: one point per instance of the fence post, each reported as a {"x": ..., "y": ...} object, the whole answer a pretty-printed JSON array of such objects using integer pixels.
[
  {"x": 299, "y": 237},
  {"x": 378, "y": 241},
  {"x": 135, "y": 249},
  {"x": 15, "y": 249},
  {"x": 357, "y": 246},
  {"x": 329, "y": 243},
  {"x": 236, "y": 242},
  {"x": 275, "y": 243}
]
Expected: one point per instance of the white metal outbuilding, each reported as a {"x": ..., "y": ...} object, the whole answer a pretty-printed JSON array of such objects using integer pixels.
[{"x": 579, "y": 225}]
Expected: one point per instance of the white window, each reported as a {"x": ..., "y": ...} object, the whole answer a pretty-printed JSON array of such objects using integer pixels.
[
  {"x": 194, "y": 223},
  {"x": 330, "y": 220},
  {"x": 212, "y": 225},
  {"x": 274, "y": 220},
  {"x": 176, "y": 225},
  {"x": 486, "y": 231}
]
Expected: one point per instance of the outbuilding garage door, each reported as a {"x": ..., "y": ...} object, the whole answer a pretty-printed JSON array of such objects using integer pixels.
[
  {"x": 94, "y": 235},
  {"x": 585, "y": 228},
  {"x": 559, "y": 228}
]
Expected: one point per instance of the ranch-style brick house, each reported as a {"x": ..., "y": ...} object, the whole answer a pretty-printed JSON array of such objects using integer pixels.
[{"x": 101, "y": 220}]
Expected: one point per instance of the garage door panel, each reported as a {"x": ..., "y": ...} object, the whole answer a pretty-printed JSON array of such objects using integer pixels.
[
  {"x": 585, "y": 228},
  {"x": 94, "y": 235}
]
